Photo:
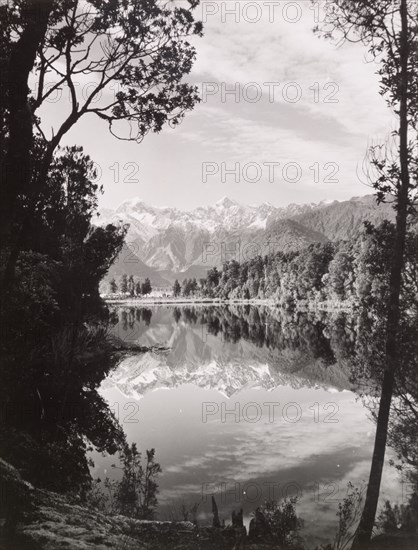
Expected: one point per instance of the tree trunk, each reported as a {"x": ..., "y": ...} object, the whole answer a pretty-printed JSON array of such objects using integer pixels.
[
  {"x": 365, "y": 528},
  {"x": 16, "y": 170}
]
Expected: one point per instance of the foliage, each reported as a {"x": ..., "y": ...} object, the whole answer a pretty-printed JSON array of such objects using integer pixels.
[
  {"x": 131, "y": 286},
  {"x": 349, "y": 512},
  {"x": 143, "y": 47},
  {"x": 176, "y": 288},
  {"x": 54, "y": 412},
  {"x": 401, "y": 517},
  {"x": 392, "y": 519},
  {"x": 113, "y": 287},
  {"x": 389, "y": 30},
  {"x": 282, "y": 520},
  {"x": 146, "y": 287},
  {"x": 134, "y": 54},
  {"x": 135, "y": 495},
  {"x": 124, "y": 284},
  {"x": 352, "y": 272},
  {"x": 55, "y": 350},
  {"x": 189, "y": 287}
]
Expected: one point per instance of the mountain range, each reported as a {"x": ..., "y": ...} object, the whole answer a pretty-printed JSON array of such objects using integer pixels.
[{"x": 167, "y": 243}]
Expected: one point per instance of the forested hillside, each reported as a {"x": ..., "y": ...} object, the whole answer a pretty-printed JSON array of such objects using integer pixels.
[{"x": 344, "y": 271}]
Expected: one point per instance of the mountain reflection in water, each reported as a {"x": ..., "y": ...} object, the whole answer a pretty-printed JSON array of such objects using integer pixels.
[{"x": 247, "y": 404}]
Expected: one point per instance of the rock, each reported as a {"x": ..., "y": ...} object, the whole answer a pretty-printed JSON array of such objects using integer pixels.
[
  {"x": 16, "y": 495},
  {"x": 43, "y": 520}
]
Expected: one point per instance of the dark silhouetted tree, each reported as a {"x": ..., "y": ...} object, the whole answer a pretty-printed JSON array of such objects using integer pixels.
[
  {"x": 124, "y": 283},
  {"x": 113, "y": 286},
  {"x": 176, "y": 288},
  {"x": 146, "y": 287},
  {"x": 131, "y": 285}
]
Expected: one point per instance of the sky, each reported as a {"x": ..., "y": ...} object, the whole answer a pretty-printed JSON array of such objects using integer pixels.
[{"x": 285, "y": 117}]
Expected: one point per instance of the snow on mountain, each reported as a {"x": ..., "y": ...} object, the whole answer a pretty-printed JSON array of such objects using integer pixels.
[
  {"x": 147, "y": 221},
  {"x": 226, "y": 202},
  {"x": 173, "y": 242}
]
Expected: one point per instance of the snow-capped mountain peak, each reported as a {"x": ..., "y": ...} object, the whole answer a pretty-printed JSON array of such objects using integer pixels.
[
  {"x": 174, "y": 243},
  {"x": 226, "y": 202}
]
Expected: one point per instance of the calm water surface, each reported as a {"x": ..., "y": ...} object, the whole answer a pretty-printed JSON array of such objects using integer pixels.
[{"x": 246, "y": 406}]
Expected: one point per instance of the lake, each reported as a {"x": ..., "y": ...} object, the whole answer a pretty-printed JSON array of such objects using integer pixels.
[{"x": 247, "y": 404}]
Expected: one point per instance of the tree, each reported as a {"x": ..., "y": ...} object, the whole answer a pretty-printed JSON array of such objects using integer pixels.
[
  {"x": 388, "y": 28},
  {"x": 53, "y": 258},
  {"x": 186, "y": 287},
  {"x": 124, "y": 284},
  {"x": 340, "y": 279},
  {"x": 17, "y": 130},
  {"x": 190, "y": 286},
  {"x": 213, "y": 277},
  {"x": 131, "y": 285},
  {"x": 138, "y": 288},
  {"x": 56, "y": 312},
  {"x": 136, "y": 493},
  {"x": 230, "y": 277},
  {"x": 146, "y": 287},
  {"x": 113, "y": 286},
  {"x": 135, "y": 55},
  {"x": 194, "y": 287},
  {"x": 61, "y": 229},
  {"x": 279, "y": 520},
  {"x": 176, "y": 289}
]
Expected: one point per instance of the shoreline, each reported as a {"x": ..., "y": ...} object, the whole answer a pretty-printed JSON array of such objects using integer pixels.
[
  {"x": 302, "y": 306},
  {"x": 183, "y": 301}
]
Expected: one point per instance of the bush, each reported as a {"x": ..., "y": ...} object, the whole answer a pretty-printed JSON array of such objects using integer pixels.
[
  {"x": 281, "y": 522},
  {"x": 135, "y": 495}
]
